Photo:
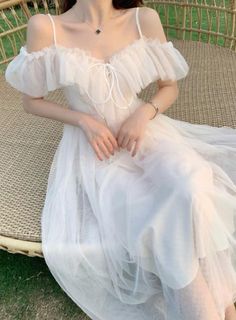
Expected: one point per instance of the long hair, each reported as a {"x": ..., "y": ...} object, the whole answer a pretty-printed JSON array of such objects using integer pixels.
[{"x": 117, "y": 4}]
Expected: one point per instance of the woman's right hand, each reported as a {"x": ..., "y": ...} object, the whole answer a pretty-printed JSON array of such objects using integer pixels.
[{"x": 99, "y": 136}]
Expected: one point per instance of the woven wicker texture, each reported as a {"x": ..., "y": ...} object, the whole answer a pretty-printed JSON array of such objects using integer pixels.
[
  {"x": 206, "y": 21},
  {"x": 28, "y": 143}
]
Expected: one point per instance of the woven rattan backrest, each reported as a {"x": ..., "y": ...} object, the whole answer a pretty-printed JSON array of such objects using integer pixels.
[
  {"x": 14, "y": 15},
  {"x": 207, "y": 21}
]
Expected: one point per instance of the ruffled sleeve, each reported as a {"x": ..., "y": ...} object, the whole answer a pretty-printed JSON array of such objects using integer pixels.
[
  {"x": 144, "y": 61},
  {"x": 167, "y": 61},
  {"x": 34, "y": 73},
  {"x": 150, "y": 60}
]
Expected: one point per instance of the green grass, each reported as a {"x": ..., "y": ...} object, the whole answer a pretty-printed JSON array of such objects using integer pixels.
[
  {"x": 28, "y": 291},
  {"x": 171, "y": 33},
  {"x": 20, "y": 36},
  {"x": 195, "y": 14}
]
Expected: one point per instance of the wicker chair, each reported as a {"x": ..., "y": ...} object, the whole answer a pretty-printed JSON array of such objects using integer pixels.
[{"x": 204, "y": 33}]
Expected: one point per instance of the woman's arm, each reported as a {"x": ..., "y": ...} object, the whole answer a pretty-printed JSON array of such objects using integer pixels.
[
  {"x": 52, "y": 110},
  {"x": 101, "y": 138},
  {"x": 165, "y": 97},
  {"x": 40, "y": 35},
  {"x": 133, "y": 128},
  {"x": 167, "y": 90}
]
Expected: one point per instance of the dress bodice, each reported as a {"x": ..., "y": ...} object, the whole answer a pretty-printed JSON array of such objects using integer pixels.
[{"x": 92, "y": 81}]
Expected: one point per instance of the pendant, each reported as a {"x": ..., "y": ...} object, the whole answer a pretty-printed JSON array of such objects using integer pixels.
[{"x": 98, "y": 31}]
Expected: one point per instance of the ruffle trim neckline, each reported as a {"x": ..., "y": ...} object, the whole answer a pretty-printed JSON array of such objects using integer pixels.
[
  {"x": 127, "y": 71},
  {"x": 85, "y": 52}
]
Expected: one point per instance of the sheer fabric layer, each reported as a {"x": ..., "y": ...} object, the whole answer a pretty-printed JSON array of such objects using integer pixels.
[
  {"x": 149, "y": 237},
  {"x": 36, "y": 73},
  {"x": 164, "y": 248}
]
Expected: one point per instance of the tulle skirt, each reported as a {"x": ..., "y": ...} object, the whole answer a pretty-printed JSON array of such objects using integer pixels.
[{"x": 145, "y": 237}]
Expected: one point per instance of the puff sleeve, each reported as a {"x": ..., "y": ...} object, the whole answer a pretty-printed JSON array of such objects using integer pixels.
[
  {"x": 167, "y": 60},
  {"x": 34, "y": 73},
  {"x": 149, "y": 61}
]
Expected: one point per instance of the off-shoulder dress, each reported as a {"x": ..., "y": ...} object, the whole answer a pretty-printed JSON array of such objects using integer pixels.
[{"x": 135, "y": 238}]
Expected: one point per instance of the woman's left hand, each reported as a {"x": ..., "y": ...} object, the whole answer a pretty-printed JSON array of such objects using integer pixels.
[{"x": 132, "y": 129}]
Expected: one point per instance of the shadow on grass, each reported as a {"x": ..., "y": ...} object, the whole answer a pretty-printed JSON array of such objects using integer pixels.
[{"x": 28, "y": 291}]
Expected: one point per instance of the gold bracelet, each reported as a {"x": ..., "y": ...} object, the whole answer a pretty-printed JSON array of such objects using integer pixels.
[{"x": 155, "y": 107}]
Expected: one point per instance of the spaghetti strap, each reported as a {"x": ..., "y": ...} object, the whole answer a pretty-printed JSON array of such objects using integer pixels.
[
  {"x": 137, "y": 22},
  {"x": 53, "y": 27}
]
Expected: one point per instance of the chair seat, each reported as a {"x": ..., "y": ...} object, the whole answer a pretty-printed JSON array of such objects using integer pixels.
[{"x": 28, "y": 143}]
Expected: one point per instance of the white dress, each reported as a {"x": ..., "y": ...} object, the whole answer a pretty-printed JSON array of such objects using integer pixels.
[{"x": 132, "y": 237}]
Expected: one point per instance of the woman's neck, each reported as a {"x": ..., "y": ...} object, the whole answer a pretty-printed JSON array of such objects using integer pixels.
[{"x": 95, "y": 11}]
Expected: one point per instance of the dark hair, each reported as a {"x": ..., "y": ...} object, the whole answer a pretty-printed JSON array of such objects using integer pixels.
[{"x": 117, "y": 4}]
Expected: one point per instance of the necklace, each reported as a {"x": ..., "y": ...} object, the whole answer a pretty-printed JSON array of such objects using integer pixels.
[{"x": 98, "y": 29}]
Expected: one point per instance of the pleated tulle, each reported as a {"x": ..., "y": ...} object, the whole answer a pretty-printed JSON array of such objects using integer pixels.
[
  {"x": 38, "y": 72},
  {"x": 149, "y": 237}
]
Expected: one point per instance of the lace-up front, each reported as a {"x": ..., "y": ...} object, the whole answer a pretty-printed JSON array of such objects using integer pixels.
[{"x": 109, "y": 69}]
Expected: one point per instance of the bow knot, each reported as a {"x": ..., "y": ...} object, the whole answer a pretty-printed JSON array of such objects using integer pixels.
[{"x": 114, "y": 79}]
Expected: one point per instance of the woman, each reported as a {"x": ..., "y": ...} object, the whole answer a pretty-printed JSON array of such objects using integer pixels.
[{"x": 138, "y": 221}]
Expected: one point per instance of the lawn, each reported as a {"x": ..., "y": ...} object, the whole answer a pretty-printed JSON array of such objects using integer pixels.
[
  {"x": 194, "y": 19},
  {"x": 29, "y": 292}
]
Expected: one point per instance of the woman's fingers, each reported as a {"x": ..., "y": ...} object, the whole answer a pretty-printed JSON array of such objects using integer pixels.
[
  {"x": 119, "y": 138},
  {"x": 100, "y": 137},
  {"x": 97, "y": 150},
  {"x": 104, "y": 148},
  {"x": 123, "y": 139},
  {"x": 109, "y": 145},
  {"x": 130, "y": 144},
  {"x": 136, "y": 147},
  {"x": 113, "y": 141}
]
